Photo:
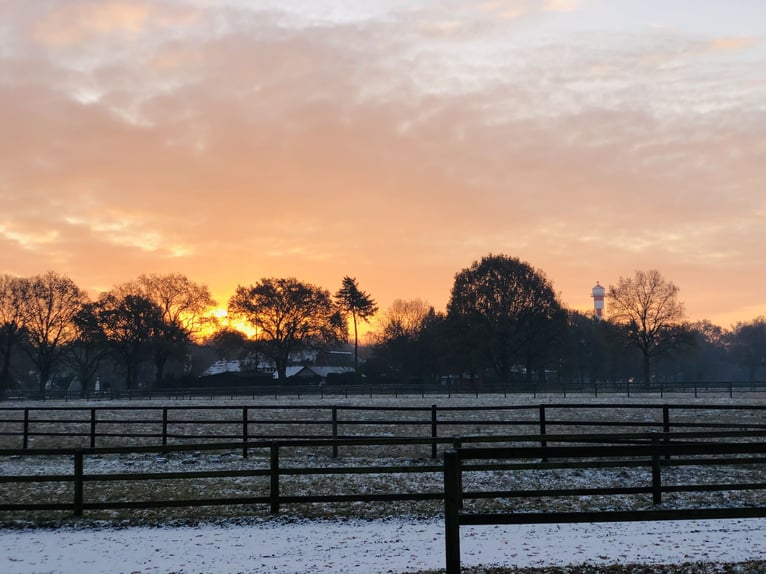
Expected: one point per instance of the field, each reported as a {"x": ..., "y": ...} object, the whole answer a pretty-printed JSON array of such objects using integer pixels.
[{"x": 423, "y": 516}]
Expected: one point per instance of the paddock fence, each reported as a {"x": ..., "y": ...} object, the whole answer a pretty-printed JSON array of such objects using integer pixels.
[
  {"x": 263, "y": 479},
  {"x": 103, "y": 426},
  {"x": 299, "y": 390},
  {"x": 656, "y": 456}
]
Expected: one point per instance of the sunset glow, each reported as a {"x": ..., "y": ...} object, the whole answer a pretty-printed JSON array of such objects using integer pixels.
[{"x": 395, "y": 141}]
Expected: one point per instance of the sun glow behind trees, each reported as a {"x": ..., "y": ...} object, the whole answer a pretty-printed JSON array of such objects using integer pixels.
[{"x": 503, "y": 319}]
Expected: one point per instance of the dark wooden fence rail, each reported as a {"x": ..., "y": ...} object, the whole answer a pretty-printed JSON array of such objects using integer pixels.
[
  {"x": 645, "y": 448},
  {"x": 273, "y": 471},
  {"x": 654, "y": 456},
  {"x": 532, "y": 388},
  {"x": 89, "y": 427}
]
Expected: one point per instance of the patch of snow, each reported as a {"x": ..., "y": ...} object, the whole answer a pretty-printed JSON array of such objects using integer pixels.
[{"x": 374, "y": 546}]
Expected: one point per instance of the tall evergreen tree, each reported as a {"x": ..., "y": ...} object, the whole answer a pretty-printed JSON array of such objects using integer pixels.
[{"x": 357, "y": 303}]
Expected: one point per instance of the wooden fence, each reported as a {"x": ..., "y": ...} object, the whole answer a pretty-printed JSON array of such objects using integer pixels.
[
  {"x": 548, "y": 455},
  {"x": 517, "y": 388},
  {"x": 653, "y": 451},
  {"x": 653, "y": 456},
  {"x": 94, "y": 426}
]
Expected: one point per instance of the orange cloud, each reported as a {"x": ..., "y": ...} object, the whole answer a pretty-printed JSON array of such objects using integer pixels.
[
  {"x": 735, "y": 43},
  {"x": 317, "y": 148},
  {"x": 562, "y": 5},
  {"x": 75, "y": 22}
]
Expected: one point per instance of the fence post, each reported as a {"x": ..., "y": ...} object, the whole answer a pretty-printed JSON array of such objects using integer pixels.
[
  {"x": 93, "y": 427},
  {"x": 274, "y": 494},
  {"x": 245, "y": 434},
  {"x": 78, "y": 482},
  {"x": 335, "y": 432},
  {"x": 433, "y": 431},
  {"x": 543, "y": 443},
  {"x": 25, "y": 440},
  {"x": 666, "y": 425},
  {"x": 656, "y": 472},
  {"x": 164, "y": 426},
  {"x": 452, "y": 511}
]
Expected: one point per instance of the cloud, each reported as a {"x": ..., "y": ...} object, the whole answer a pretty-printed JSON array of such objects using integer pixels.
[
  {"x": 77, "y": 22},
  {"x": 562, "y": 5},
  {"x": 238, "y": 143},
  {"x": 736, "y": 43}
]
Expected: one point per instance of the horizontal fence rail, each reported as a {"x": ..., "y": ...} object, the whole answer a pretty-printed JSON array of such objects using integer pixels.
[
  {"x": 94, "y": 426},
  {"x": 555, "y": 452},
  {"x": 297, "y": 389},
  {"x": 662, "y": 450}
]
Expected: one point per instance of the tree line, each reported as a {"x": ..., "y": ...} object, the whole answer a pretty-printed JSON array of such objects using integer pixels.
[{"x": 503, "y": 323}]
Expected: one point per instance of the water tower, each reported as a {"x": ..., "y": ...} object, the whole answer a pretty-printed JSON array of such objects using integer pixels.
[{"x": 598, "y": 293}]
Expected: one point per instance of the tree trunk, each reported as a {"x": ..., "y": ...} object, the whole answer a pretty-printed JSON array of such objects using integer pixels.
[
  {"x": 159, "y": 372},
  {"x": 647, "y": 370},
  {"x": 281, "y": 365},
  {"x": 356, "y": 352},
  {"x": 44, "y": 376},
  {"x": 6, "y": 368},
  {"x": 129, "y": 375}
]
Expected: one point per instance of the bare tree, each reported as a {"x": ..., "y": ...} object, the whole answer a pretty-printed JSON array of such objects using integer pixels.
[
  {"x": 185, "y": 307},
  {"x": 408, "y": 339},
  {"x": 288, "y": 315},
  {"x": 129, "y": 322},
  {"x": 11, "y": 324},
  {"x": 359, "y": 305},
  {"x": 647, "y": 306},
  {"x": 51, "y": 301},
  {"x": 89, "y": 347},
  {"x": 748, "y": 345},
  {"x": 404, "y": 318}
]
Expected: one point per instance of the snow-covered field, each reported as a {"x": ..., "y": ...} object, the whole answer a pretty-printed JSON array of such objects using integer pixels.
[
  {"x": 388, "y": 538},
  {"x": 370, "y": 547}
]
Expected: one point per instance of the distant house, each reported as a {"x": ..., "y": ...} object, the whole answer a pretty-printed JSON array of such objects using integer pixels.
[
  {"x": 306, "y": 366},
  {"x": 220, "y": 367},
  {"x": 312, "y": 374}
]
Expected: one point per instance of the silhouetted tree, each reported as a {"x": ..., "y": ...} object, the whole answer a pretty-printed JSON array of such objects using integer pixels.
[
  {"x": 357, "y": 303},
  {"x": 228, "y": 344},
  {"x": 647, "y": 306},
  {"x": 706, "y": 359},
  {"x": 129, "y": 323},
  {"x": 288, "y": 315},
  {"x": 11, "y": 324},
  {"x": 509, "y": 310},
  {"x": 409, "y": 339},
  {"x": 50, "y": 304},
  {"x": 86, "y": 351},
  {"x": 748, "y": 346},
  {"x": 185, "y": 307}
]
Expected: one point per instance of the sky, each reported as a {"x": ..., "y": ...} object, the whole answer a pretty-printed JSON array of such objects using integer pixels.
[{"x": 395, "y": 141}]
